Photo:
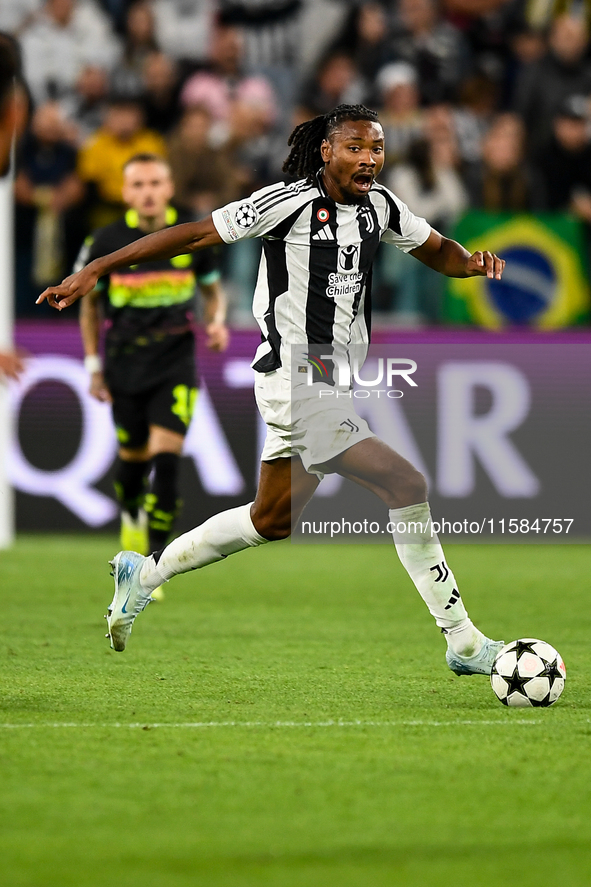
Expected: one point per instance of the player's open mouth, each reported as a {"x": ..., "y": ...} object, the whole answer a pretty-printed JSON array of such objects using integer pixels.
[{"x": 363, "y": 181}]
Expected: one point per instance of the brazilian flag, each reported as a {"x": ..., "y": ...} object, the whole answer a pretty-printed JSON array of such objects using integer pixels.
[{"x": 545, "y": 284}]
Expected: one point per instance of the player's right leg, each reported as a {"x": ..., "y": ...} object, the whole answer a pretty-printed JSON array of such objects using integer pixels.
[
  {"x": 283, "y": 492},
  {"x": 132, "y": 469}
]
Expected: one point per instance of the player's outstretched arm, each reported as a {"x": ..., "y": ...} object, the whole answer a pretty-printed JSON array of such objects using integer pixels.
[
  {"x": 450, "y": 258},
  {"x": 161, "y": 245}
]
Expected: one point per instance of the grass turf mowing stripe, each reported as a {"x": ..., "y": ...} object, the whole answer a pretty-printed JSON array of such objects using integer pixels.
[{"x": 199, "y": 725}]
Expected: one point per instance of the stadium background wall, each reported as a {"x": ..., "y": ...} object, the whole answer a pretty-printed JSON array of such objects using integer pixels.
[{"x": 61, "y": 461}]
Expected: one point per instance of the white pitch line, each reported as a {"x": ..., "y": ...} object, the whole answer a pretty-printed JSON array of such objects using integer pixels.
[{"x": 204, "y": 725}]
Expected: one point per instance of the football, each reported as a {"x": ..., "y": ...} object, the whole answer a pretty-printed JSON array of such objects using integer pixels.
[{"x": 528, "y": 672}]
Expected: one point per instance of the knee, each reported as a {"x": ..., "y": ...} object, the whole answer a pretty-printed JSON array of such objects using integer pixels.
[
  {"x": 412, "y": 491},
  {"x": 270, "y": 524}
]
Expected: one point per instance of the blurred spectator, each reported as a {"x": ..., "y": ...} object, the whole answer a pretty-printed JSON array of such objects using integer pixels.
[
  {"x": 117, "y": 10},
  {"x": 487, "y": 26},
  {"x": 139, "y": 41},
  {"x": 565, "y": 161},
  {"x": 101, "y": 159},
  {"x": 15, "y": 14},
  {"x": 14, "y": 100},
  {"x": 85, "y": 109},
  {"x": 243, "y": 108},
  {"x": 544, "y": 85},
  {"x": 46, "y": 187},
  {"x": 539, "y": 16},
  {"x": 184, "y": 27},
  {"x": 528, "y": 46},
  {"x": 336, "y": 80},
  {"x": 434, "y": 47},
  {"x": 429, "y": 184},
  {"x": 273, "y": 43},
  {"x": 466, "y": 11},
  {"x": 204, "y": 178},
  {"x": 64, "y": 37},
  {"x": 366, "y": 39},
  {"x": 271, "y": 31},
  {"x": 478, "y": 102},
  {"x": 502, "y": 181},
  {"x": 401, "y": 114},
  {"x": 161, "y": 92},
  {"x": 226, "y": 82}
]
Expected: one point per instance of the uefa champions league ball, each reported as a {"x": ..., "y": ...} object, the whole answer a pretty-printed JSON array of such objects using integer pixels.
[{"x": 528, "y": 672}]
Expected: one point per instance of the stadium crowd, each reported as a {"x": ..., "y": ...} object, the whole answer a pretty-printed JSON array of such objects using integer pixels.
[{"x": 486, "y": 104}]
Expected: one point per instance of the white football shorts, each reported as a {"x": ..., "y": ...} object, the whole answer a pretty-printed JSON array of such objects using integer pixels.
[{"x": 314, "y": 424}]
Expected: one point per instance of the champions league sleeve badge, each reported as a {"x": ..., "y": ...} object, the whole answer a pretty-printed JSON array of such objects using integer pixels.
[{"x": 246, "y": 215}]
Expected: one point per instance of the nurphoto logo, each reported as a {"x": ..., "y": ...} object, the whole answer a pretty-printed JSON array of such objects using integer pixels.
[{"x": 344, "y": 375}]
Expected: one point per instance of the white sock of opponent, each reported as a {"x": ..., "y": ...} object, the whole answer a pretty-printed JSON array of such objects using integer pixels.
[
  {"x": 422, "y": 557},
  {"x": 221, "y": 535}
]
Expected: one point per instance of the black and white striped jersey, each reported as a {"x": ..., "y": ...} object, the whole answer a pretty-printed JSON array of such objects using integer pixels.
[{"x": 314, "y": 281}]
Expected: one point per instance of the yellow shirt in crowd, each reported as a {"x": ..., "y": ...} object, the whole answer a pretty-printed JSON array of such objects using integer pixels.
[{"x": 101, "y": 159}]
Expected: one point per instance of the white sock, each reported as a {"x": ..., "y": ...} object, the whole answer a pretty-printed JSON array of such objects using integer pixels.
[
  {"x": 422, "y": 557},
  {"x": 221, "y": 535}
]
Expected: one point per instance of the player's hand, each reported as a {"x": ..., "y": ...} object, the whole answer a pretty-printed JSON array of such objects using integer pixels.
[
  {"x": 218, "y": 336},
  {"x": 485, "y": 264},
  {"x": 98, "y": 388},
  {"x": 70, "y": 289},
  {"x": 11, "y": 364}
]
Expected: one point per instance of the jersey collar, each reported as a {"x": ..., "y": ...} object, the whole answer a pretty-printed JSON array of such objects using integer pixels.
[{"x": 132, "y": 219}]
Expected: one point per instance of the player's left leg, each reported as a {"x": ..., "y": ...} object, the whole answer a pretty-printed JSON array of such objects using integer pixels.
[
  {"x": 162, "y": 502},
  {"x": 284, "y": 489},
  {"x": 374, "y": 465}
]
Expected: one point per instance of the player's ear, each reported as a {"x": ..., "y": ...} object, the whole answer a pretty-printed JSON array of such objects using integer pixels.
[{"x": 326, "y": 150}]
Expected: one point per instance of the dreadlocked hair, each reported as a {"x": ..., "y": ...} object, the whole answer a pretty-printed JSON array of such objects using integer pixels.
[{"x": 305, "y": 159}]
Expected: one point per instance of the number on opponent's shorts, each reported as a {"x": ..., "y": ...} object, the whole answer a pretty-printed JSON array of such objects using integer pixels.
[{"x": 184, "y": 402}]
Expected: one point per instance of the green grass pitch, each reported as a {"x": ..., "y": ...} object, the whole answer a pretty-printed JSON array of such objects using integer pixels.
[{"x": 335, "y": 748}]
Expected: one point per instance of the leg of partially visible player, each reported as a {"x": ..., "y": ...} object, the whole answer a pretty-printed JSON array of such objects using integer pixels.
[
  {"x": 162, "y": 501},
  {"x": 375, "y": 466},
  {"x": 283, "y": 492},
  {"x": 132, "y": 468},
  {"x": 131, "y": 478}
]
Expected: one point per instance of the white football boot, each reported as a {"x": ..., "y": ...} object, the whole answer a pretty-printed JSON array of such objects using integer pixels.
[
  {"x": 134, "y": 536},
  {"x": 129, "y": 599},
  {"x": 480, "y": 663}
]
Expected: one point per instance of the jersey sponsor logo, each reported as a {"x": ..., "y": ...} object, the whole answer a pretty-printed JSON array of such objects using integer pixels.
[
  {"x": 151, "y": 289},
  {"x": 323, "y": 215},
  {"x": 246, "y": 215},
  {"x": 324, "y": 233},
  {"x": 348, "y": 258},
  {"x": 230, "y": 225},
  {"x": 343, "y": 285}
]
